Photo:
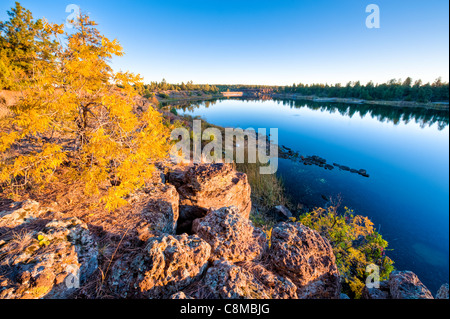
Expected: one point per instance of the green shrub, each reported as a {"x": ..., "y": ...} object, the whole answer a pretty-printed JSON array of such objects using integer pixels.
[{"x": 355, "y": 244}]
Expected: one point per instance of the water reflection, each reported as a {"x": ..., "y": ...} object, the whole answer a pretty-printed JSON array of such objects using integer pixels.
[{"x": 396, "y": 115}]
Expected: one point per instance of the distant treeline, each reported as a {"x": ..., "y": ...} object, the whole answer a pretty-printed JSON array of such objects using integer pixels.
[
  {"x": 393, "y": 90},
  {"x": 438, "y": 91},
  {"x": 189, "y": 86},
  {"x": 398, "y": 90}
]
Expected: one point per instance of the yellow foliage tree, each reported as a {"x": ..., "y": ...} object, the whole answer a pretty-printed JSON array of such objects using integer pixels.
[{"x": 78, "y": 111}]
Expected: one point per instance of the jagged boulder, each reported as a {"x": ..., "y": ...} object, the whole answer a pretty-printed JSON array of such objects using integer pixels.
[
  {"x": 377, "y": 293},
  {"x": 52, "y": 263},
  {"x": 19, "y": 213},
  {"x": 302, "y": 255},
  {"x": 204, "y": 187},
  {"x": 406, "y": 285},
  {"x": 225, "y": 280},
  {"x": 231, "y": 235},
  {"x": 442, "y": 292},
  {"x": 159, "y": 212},
  {"x": 166, "y": 265}
]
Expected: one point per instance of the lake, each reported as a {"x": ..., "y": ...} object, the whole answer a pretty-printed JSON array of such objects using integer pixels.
[{"x": 405, "y": 151}]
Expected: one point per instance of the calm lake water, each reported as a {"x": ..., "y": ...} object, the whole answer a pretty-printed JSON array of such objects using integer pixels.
[{"x": 405, "y": 152}]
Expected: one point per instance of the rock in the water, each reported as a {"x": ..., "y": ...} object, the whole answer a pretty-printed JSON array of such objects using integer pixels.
[
  {"x": 305, "y": 257},
  {"x": 230, "y": 234},
  {"x": 228, "y": 281},
  {"x": 209, "y": 186},
  {"x": 406, "y": 285},
  {"x": 167, "y": 265},
  {"x": 19, "y": 213},
  {"x": 49, "y": 264},
  {"x": 442, "y": 292}
]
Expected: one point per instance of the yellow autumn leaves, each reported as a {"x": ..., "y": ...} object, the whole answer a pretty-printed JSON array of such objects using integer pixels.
[{"x": 78, "y": 110}]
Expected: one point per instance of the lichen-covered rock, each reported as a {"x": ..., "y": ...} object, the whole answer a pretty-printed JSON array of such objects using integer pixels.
[
  {"x": 442, "y": 292},
  {"x": 159, "y": 213},
  {"x": 229, "y": 281},
  {"x": 204, "y": 187},
  {"x": 167, "y": 265},
  {"x": 231, "y": 235},
  {"x": 19, "y": 213},
  {"x": 406, "y": 285},
  {"x": 49, "y": 264},
  {"x": 305, "y": 257},
  {"x": 377, "y": 293}
]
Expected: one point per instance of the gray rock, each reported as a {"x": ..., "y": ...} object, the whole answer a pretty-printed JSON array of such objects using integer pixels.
[
  {"x": 20, "y": 213},
  {"x": 406, "y": 285},
  {"x": 442, "y": 292},
  {"x": 231, "y": 235},
  {"x": 167, "y": 265},
  {"x": 302, "y": 255},
  {"x": 49, "y": 264}
]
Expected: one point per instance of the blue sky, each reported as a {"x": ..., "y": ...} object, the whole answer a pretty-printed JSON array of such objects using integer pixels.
[{"x": 268, "y": 42}]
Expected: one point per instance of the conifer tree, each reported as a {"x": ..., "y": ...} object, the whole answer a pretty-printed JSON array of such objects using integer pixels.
[{"x": 25, "y": 46}]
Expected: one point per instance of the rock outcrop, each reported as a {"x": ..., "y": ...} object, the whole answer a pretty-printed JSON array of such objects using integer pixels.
[
  {"x": 377, "y": 293},
  {"x": 52, "y": 263},
  {"x": 19, "y": 213},
  {"x": 232, "y": 236},
  {"x": 225, "y": 280},
  {"x": 209, "y": 187},
  {"x": 302, "y": 255},
  {"x": 406, "y": 285},
  {"x": 220, "y": 254},
  {"x": 166, "y": 265},
  {"x": 442, "y": 292},
  {"x": 159, "y": 214},
  {"x": 401, "y": 285}
]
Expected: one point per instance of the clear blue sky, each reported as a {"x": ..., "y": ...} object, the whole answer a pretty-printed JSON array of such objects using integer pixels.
[{"x": 268, "y": 42}]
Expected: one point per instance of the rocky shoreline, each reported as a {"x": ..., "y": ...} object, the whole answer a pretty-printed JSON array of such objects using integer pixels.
[{"x": 188, "y": 236}]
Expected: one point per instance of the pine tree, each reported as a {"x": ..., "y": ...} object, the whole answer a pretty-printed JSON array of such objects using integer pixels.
[{"x": 25, "y": 47}]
